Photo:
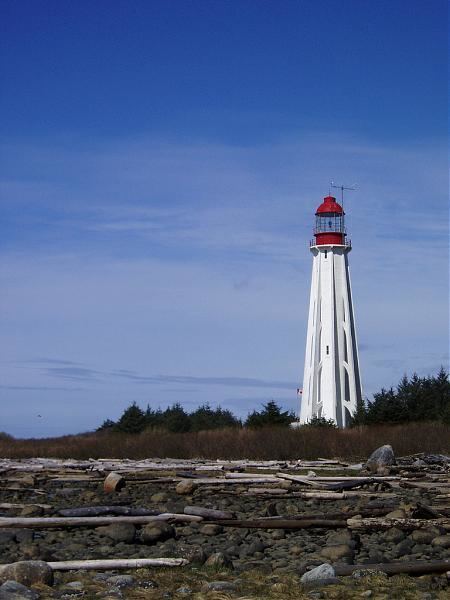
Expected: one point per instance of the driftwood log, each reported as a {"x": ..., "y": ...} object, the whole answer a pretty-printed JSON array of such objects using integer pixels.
[
  {"x": 114, "y": 482},
  {"x": 408, "y": 524},
  {"x": 393, "y": 568},
  {"x": 51, "y": 522},
  {"x": 98, "y": 511},
  {"x": 121, "y": 563},
  {"x": 208, "y": 513},
  {"x": 283, "y": 523}
]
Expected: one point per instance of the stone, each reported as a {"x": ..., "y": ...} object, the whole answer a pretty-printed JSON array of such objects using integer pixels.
[
  {"x": 441, "y": 541},
  {"x": 185, "y": 487},
  {"x": 194, "y": 554},
  {"x": 75, "y": 585},
  {"x": 12, "y": 590},
  {"x": 31, "y": 511},
  {"x": 218, "y": 560},
  {"x": 342, "y": 536},
  {"x": 211, "y": 529},
  {"x": 323, "y": 571},
  {"x": 160, "y": 497},
  {"x": 157, "y": 531},
  {"x": 120, "y": 532},
  {"x": 28, "y": 572},
  {"x": 394, "y": 535},
  {"x": 184, "y": 590},
  {"x": 220, "y": 586},
  {"x": 7, "y": 535},
  {"x": 421, "y": 536},
  {"x": 380, "y": 460},
  {"x": 338, "y": 552},
  {"x": 278, "y": 534},
  {"x": 121, "y": 581}
]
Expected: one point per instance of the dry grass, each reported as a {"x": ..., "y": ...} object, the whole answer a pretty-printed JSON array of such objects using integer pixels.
[{"x": 268, "y": 443}]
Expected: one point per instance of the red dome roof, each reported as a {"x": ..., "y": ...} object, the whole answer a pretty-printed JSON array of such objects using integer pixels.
[{"x": 329, "y": 205}]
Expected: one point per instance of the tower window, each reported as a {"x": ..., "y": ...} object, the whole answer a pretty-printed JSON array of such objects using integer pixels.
[
  {"x": 328, "y": 349},
  {"x": 326, "y": 253}
]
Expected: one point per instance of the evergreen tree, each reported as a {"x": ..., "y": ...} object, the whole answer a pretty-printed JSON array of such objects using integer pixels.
[
  {"x": 271, "y": 415},
  {"x": 206, "y": 418},
  {"x": 132, "y": 420},
  {"x": 107, "y": 425},
  {"x": 175, "y": 419},
  {"x": 360, "y": 414}
]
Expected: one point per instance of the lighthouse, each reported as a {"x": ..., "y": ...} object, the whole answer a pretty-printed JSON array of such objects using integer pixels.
[{"x": 331, "y": 381}]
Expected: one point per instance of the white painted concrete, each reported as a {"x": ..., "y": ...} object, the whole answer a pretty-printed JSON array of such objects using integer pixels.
[{"x": 331, "y": 382}]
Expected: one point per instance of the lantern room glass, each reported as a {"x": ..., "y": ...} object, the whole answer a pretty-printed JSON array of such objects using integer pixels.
[{"x": 329, "y": 222}]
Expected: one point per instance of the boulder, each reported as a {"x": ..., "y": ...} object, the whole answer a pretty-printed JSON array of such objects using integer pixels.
[
  {"x": 120, "y": 532},
  {"x": 157, "y": 531},
  {"x": 323, "y": 571},
  {"x": 28, "y": 572},
  {"x": 185, "y": 487},
  {"x": 394, "y": 535},
  {"x": 422, "y": 536},
  {"x": 380, "y": 460},
  {"x": 337, "y": 553},
  {"x": 12, "y": 590},
  {"x": 218, "y": 560},
  {"x": 441, "y": 541},
  {"x": 211, "y": 529}
]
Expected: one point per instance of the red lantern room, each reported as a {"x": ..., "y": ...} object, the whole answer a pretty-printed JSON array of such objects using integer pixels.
[{"x": 329, "y": 223}]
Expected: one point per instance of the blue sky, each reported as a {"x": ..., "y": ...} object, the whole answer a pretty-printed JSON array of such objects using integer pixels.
[{"x": 161, "y": 163}]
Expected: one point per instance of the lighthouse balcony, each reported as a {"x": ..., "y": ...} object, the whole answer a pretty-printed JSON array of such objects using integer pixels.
[{"x": 317, "y": 243}]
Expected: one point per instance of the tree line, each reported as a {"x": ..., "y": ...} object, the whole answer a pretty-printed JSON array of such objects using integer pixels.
[{"x": 414, "y": 399}]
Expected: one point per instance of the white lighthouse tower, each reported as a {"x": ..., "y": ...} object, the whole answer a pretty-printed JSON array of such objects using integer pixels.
[{"x": 331, "y": 381}]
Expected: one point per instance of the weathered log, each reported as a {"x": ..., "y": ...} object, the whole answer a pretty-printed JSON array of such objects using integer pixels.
[
  {"x": 284, "y": 523},
  {"x": 50, "y": 522},
  {"x": 208, "y": 513},
  {"x": 407, "y": 524},
  {"x": 113, "y": 483},
  {"x": 8, "y": 505},
  {"x": 121, "y": 563},
  {"x": 393, "y": 568},
  {"x": 98, "y": 511}
]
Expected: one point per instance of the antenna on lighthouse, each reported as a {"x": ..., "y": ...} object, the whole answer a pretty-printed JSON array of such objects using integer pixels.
[{"x": 342, "y": 188}]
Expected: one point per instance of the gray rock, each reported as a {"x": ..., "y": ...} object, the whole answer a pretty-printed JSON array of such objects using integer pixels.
[
  {"x": 185, "y": 487},
  {"x": 441, "y": 541},
  {"x": 120, "y": 532},
  {"x": 211, "y": 529},
  {"x": 7, "y": 535},
  {"x": 220, "y": 586},
  {"x": 323, "y": 571},
  {"x": 338, "y": 552},
  {"x": 121, "y": 581},
  {"x": 28, "y": 572},
  {"x": 157, "y": 531},
  {"x": 75, "y": 585},
  {"x": 184, "y": 590},
  {"x": 359, "y": 573},
  {"x": 381, "y": 459},
  {"x": 394, "y": 535},
  {"x": 194, "y": 554},
  {"x": 421, "y": 536},
  {"x": 12, "y": 590},
  {"x": 218, "y": 560}
]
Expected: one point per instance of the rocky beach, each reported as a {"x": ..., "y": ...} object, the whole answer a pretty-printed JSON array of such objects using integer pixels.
[{"x": 226, "y": 529}]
